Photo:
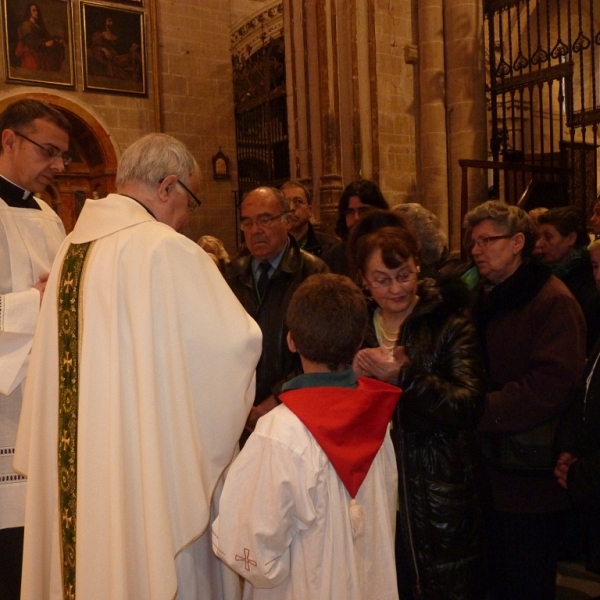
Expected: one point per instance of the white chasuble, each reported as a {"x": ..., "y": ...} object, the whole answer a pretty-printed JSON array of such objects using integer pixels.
[
  {"x": 29, "y": 240},
  {"x": 166, "y": 381}
]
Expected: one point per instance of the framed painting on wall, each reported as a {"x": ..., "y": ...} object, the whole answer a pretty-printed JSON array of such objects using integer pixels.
[
  {"x": 114, "y": 49},
  {"x": 38, "y": 42}
]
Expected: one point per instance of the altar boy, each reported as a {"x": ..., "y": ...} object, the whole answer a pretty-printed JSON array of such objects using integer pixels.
[{"x": 308, "y": 508}]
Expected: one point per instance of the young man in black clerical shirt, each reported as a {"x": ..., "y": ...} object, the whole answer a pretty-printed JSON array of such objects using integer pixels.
[{"x": 34, "y": 149}]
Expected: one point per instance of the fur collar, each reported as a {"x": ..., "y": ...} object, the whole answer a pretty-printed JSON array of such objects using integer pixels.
[
  {"x": 513, "y": 293},
  {"x": 448, "y": 292}
]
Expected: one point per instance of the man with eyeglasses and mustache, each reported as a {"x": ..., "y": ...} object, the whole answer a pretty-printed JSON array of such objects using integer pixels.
[
  {"x": 264, "y": 281},
  {"x": 35, "y": 141},
  {"x": 141, "y": 379}
]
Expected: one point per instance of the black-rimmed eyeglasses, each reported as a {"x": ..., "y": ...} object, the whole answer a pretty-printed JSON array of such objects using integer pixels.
[
  {"x": 484, "y": 240},
  {"x": 52, "y": 152},
  {"x": 194, "y": 202}
]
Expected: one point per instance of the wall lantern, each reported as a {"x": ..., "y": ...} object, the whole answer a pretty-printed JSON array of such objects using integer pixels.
[{"x": 220, "y": 165}]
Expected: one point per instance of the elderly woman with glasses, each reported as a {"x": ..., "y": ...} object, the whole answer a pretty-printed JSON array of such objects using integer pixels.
[
  {"x": 421, "y": 340},
  {"x": 532, "y": 333}
]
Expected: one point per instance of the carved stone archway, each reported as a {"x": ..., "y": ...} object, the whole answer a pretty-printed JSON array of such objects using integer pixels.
[{"x": 94, "y": 165}]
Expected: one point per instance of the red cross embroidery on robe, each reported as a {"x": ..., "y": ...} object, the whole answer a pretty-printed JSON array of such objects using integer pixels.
[{"x": 246, "y": 559}]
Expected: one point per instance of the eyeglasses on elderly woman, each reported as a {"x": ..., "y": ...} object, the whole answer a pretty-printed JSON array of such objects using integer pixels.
[{"x": 484, "y": 240}]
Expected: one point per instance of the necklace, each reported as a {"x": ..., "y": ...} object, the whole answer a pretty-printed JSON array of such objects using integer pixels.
[
  {"x": 390, "y": 332},
  {"x": 387, "y": 338}
]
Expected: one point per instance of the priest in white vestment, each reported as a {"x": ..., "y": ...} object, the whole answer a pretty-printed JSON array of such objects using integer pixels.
[
  {"x": 35, "y": 139},
  {"x": 165, "y": 357}
]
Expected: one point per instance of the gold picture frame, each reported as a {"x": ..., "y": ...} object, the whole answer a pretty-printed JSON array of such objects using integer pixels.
[
  {"x": 113, "y": 42},
  {"x": 38, "y": 42}
]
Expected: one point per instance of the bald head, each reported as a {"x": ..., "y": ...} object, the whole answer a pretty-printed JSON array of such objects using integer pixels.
[{"x": 264, "y": 222}]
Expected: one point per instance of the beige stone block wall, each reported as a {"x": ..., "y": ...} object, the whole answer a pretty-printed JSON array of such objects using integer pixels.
[
  {"x": 396, "y": 101},
  {"x": 196, "y": 99}
]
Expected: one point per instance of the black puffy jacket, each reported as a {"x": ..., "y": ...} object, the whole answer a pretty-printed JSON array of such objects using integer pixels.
[{"x": 438, "y": 538}]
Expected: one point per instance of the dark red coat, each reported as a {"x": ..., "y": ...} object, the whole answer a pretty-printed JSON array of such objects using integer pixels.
[{"x": 533, "y": 334}]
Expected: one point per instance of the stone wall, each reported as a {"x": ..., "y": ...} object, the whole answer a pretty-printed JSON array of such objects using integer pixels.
[
  {"x": 397, "y": 105},
  {"x": 195, "y": 103}
]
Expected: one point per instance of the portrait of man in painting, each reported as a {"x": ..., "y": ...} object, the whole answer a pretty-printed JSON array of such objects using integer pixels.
[
  {"x": 113, "y": 41},
  {"x": 38, "y": 42}
]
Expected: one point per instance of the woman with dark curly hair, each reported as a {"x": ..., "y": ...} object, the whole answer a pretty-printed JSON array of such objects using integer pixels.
[{"x": 357, "y": 199}]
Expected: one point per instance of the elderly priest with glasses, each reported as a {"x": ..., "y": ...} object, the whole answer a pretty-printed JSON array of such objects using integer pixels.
[
  {"x": 141, "y": 379},
  {"x": 264, "y": 281},
  {"x": 35, "y": 141}
]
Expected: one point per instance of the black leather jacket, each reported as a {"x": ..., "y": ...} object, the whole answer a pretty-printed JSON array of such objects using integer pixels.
[
  {"x": 439, "y": 521},
  {"x": 317, "y": 242},
  {"x": 276, "y": 361}
]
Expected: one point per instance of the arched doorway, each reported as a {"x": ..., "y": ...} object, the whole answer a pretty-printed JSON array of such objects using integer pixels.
[{"x": 93, "y": 170}]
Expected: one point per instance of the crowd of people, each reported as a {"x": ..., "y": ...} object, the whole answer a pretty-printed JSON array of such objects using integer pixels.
[{"x": 365, "y": 416}]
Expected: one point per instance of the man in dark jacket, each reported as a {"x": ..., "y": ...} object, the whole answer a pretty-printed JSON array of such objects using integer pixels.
[
  {"x": 301, "y": 228},
  {"x": 264, "y": 281}
]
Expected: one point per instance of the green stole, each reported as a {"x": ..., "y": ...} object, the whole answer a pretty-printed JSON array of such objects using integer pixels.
[{"x": 69, "y": 329}]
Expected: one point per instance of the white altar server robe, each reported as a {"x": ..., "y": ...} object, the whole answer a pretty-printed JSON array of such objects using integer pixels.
[
  {"x": 166, "y": 380},
  {"x": 29, "y": 240},
  {"x": 283, "y": 520}
]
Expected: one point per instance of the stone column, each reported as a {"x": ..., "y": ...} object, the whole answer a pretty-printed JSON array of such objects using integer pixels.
[
  {"x": 297, "y": 67},
  {"x": 313, "y": 102},
  {"x": 332, "y": 104},
  {"x": 465, "y": 102},
  {"x": 327, "y": 113},
  {"x": 432, "y": 91}
]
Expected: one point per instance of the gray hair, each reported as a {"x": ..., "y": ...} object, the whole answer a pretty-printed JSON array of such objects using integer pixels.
[
  {"x": 507, "y": 216},
  {"x": 154, "y": 157},
  {"x": 427, "y": 228}
]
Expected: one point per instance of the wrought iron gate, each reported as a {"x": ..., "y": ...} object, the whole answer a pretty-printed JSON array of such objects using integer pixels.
[
  {"x": 544, "y": 99},
  {"x": 261, "y": 117}
]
